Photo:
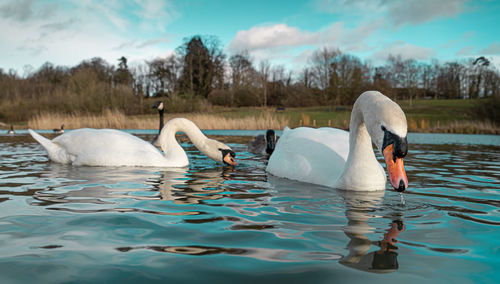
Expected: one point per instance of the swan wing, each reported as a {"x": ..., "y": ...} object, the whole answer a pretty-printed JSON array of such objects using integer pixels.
[
  {"x": 109, "y": 147},
  {"x": 310, "y": 155}
]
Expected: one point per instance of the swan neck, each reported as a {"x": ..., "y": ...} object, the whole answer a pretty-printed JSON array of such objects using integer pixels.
[
  {"x": 167, "y": 135},
  {"x": 359, "y": 138},
  {"x": 361, "y": 168},
  {"x": 161, "y": 120}
]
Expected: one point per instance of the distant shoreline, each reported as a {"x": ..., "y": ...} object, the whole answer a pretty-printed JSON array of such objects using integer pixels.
[{"x": 244, "y": 119}]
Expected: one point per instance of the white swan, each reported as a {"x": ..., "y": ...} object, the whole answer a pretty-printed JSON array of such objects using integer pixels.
[
  {"x": 336, "y": 158},
  {"x": 109, "y": 147}
]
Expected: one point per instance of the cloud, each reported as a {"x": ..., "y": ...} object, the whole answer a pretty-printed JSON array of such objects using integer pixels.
[
  {"x": 157, "y": 14},
  {"x": 291, "y": 45},
  {"x": 399, "y": 13},
  {"x": 79, "y": 30},
  {"x": 25, "y": 10},
  {"x": 466, "y": 37},
  {"x": 302, "y": 58},
  {"x": 492, "y": 49},
  {"x": 356, "y": 7},
  {"x": 57, "y": 26},
  {"x": 278, "y": 41},
  {"x": 265, "y": 37},
  {"x": 110, "y": 12},
  {"x": 405, "y": 50},
  {"x": 32, "y": 49},
  {"x": 355, "y": 39},
  {"x": 126, "y": 45},
  {"x": 19, "y": 11},
  {"x": 136, "y": 44},
  {"x": 466, "y": 50},
  {"x": 416, "y": 12},
  {"x": 154, "y": 41},
  {"x": 284, "y": 36}
]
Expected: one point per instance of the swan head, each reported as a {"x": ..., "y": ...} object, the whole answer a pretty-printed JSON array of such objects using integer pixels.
[
  {"x": 228, "y": 156},
  {"x": 386, "y": 124},
  {"x": 270, "y": 141},
  {"x": 158, "y": 105},
  {"x": 218, "y": 152}
]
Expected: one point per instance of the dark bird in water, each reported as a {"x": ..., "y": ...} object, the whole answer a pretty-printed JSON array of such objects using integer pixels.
[
  {"x": 159, "y": 106},
  {"x": 11, "y": 131},
  {"x": 263, "y": 144},
  {"x": 59, "y": 130}
]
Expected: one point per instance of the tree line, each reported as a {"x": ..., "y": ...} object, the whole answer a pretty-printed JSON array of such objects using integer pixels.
[{"x": 199, "y": 74}]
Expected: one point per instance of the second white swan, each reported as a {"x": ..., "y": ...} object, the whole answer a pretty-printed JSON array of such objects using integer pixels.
[
  {"x": 336, "y": 158},
  {"x": 109, "y": 147}
]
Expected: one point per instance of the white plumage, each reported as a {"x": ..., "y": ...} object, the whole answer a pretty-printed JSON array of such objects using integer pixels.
[
  {"x": 336, "y": 158},
  {"x": 109, "y": 147}
]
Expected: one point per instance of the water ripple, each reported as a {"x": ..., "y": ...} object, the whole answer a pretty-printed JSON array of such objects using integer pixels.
[{"x": 242, "y": 221}]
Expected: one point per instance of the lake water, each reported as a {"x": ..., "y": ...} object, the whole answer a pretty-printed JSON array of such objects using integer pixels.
[{"x": 215, "y": 224}]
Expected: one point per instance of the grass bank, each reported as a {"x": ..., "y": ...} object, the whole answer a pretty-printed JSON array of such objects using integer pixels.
[
  {"x": 117, "y": 120},
  {"x": 443, "y": 116}
]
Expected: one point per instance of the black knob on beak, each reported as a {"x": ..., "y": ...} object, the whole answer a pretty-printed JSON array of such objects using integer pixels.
[{"x": 401, "y": 187}]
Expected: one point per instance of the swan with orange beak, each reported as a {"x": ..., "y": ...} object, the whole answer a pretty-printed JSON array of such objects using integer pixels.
[{"x": 346, "y": 160}]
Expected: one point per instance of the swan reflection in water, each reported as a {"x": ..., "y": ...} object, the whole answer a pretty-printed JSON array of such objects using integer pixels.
[
  {"x": 360, "y": 208},
  {"x": 184, "y": 187},
  {"x": 94, "y": 185},
  {"x": 196, "y": 186}
]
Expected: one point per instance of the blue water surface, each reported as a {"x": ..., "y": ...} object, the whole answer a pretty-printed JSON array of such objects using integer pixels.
[{"x": 213, "y": 224}]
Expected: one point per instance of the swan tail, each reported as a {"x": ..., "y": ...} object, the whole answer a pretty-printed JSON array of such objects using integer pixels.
[{"x": 56, "y": 153}]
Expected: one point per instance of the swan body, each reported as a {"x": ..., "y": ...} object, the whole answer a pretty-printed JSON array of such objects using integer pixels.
[
  {"x": 303, "y": 153},
  {"x": 109, "y": 147},
  {"x": 340, "y": 159}
]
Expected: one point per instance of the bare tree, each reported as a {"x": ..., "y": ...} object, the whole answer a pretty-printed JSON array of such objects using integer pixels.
[
  {"x": 218, "y": 59},
  {"x": 141, "y": 84},
  {"x": 411, "y": 77},
  {"x": 164, "y": 75},
  {"x": 264, "y": 69},
  {"x": 306, "y": 77},
  {"x": 397, "y": 71},
  {"x": 449, "y": 80},
  {"x": 321, "y": 63},
  {"x": 242, "y": 70},
  {"x": 348, "y": 79}
]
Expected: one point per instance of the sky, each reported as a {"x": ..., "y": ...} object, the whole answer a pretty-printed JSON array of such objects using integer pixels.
[{"x": 33, "y": 32}]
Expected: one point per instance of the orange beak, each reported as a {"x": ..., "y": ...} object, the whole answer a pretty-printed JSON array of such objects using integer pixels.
[
  {"x": 396, "y": 169},
  {"x": 228, "y": 159}
]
